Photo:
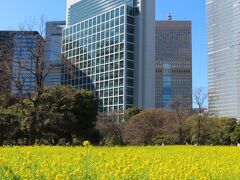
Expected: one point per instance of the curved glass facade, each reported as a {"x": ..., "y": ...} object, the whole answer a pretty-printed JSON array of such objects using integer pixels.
[
  {"x": 109, "y": 46},
  {"x": 86, "y": 9},
  {"x": 100, "y": 57}
]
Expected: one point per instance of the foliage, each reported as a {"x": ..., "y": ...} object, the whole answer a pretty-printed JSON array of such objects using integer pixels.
[
  {"x": 111, "y": 132},
  {"x": 220, "y": 130},
  {"x": 130, "y": 112},
  {"x": 9, "y": 119},
  {"x": 214, "y": 131},
  {"x": 144, "y": 127},
  {"x": 154, "y": 127},
  {"x": 235, "y": 135},
  {"x": 67, "y": 112},
  {"x": 61, "y": 112}
]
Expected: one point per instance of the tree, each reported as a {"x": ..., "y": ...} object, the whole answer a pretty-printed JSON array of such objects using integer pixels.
[
  {"x": 9, "y": 119},
  {"x": 25, "y": 69},
  {"x": 145, "y": 127},
  {"x": 67, "y": 112},
  {"x": 220, "y": 130},
  {"x": 29, "y": 64},
  {"x": 180, "y": 115},
  {"x": 131, "y": 112},
  {"x": 199, "y": 98},
  {"x": 235, "y": 135},
  {"x": 111, "y": 132},
  {"x": 198, "y": 135},
  {"x": 63, "y": 112}
]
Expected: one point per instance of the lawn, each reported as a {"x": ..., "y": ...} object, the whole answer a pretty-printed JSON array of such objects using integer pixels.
[{"x": 167, "y": 162}]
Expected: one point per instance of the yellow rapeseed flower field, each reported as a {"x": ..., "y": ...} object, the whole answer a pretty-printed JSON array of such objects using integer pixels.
[{"x": 127, "y": 163}]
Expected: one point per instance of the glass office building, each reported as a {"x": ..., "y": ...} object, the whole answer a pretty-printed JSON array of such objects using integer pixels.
[
  {"x": 20, "y": 48},
  {"x": 101, "y": 52},
  {"x": 53, "y": 57},
  {"x": 224, "y": 57},
  {"x": 173, "y": 64}
]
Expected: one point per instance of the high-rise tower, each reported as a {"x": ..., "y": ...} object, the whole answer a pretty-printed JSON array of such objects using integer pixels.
[
  {"x": 224, "y": 57},
  {"x": 173, "y": 64},
  {"x": 110, "y": 49},
  {"x": 53, "y": 57}
]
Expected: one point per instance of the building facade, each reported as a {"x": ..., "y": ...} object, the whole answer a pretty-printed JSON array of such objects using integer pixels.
[
  {"x": 173, "y": 64},
  {"x": 6, "y": 57},
  {"x": 53, "y": 56},
  {"x": 17, "y": 59},
  {"x": 224, "y": 57},
  {"x": 110, "y": 50}
]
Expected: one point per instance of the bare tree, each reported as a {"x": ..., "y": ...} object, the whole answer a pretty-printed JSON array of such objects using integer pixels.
[
  {"x": 180, "y": 114},
  {"x": 27, "y": 69},
  {"x": 111, "y": 131},
  {"x": 199, "y": 98}
]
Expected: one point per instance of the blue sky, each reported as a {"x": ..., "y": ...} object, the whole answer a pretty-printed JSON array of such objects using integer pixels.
[{"x": 15, "y": 12}]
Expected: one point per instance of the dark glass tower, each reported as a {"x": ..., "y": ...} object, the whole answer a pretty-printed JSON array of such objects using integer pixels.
[{"x": 173, "y": 64}]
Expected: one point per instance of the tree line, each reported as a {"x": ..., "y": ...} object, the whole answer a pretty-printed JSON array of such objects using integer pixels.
[
  {"x": 176, "y": 127},
  {"x": 157, "y": 127},
  {"x": 64, "y": 114}
]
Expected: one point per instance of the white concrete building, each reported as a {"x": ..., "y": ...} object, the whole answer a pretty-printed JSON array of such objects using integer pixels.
[{"x": 224, "y": 57}]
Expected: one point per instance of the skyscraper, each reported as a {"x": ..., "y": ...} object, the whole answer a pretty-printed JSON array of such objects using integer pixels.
[
  {"x": 224, "y": 57},
  {"x": 53, "y": 57},
  {"x": 17, "y": 60},
  {"x": 110, "y": 49},
  {"x": 173, "y": 64},
  {"x": 6, "y": 57}
]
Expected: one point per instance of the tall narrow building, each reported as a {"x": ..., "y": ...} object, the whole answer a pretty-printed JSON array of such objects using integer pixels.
[
  {"x": 110, "y": 49},
  {"x": 224, "y": 57},
  {"x": 53, "y": 56},
  {"x": 173, "y": 64}
]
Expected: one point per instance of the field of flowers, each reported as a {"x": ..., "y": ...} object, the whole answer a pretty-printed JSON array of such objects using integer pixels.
[{"x": 168, "y": 162}]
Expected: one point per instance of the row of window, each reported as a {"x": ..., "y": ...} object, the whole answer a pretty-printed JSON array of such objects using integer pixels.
[
  {"x": 95, "y": 32},
  {"x": 115, "y": 101},
  {"x": 96, "y": 20},
  {"x": 100, "y": 55},
  {"x": 93, "y": 45},
  {"x": 87, "y": 43},
  {"x": 101, "y": 84},
  {"x": 111, "y": 108},
  {"x": 96, "y": 46}
]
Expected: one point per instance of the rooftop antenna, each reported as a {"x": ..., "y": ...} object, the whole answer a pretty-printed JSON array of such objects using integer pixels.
[{"x": 169, "y": 17}]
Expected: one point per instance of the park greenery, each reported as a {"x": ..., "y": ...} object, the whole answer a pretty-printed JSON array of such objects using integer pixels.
[
  {"x": 61, "y": 113},
  {"x": 64, "y": 115}
]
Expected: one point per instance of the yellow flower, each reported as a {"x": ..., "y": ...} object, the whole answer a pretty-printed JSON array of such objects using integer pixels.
[
  {"x": 60, "y": 177},
  {"x": 126, "y": 171},
  {"x": 86, "y": 143}
]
